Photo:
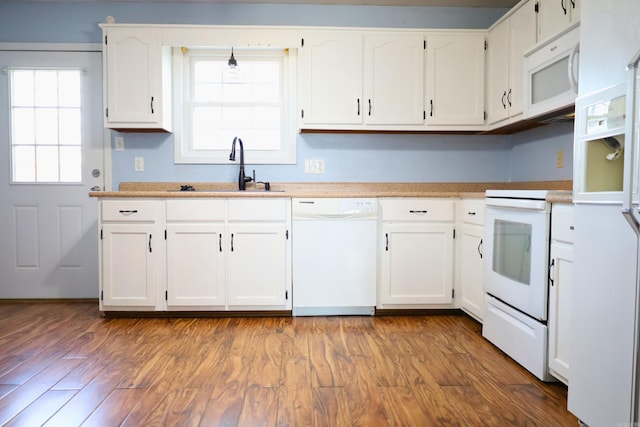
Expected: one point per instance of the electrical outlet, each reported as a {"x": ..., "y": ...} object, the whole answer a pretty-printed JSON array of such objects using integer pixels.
[
  {"x": 313, "y": 166},
  {"x": 560, "y": 159},
  {"x": 119, "y": 143},
  {"x": 139, "y": 164}
]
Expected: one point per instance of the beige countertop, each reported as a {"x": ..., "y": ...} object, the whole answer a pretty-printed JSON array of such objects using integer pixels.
[{"x": 342, "y": 189}]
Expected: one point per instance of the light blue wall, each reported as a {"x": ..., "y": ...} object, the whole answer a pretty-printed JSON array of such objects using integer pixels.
[
  {"x": 348, "y": 157},
  {"x": 533, "y": 155}
]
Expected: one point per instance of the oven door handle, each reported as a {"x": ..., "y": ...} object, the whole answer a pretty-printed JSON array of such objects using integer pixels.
[{"x": 524, "y": 204}]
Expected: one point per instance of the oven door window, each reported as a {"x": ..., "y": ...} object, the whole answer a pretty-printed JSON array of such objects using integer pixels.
[{"x": 512, "y": 250}]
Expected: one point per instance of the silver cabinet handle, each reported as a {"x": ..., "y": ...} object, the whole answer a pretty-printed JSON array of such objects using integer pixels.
[
  {"x": 231, "y": 242},
  {"x": 387, "y": 245},
  {"x": 479, "y": 248},
  {"x": 150, "y": 250},
  {"x": 471, "y": 213},
  {"x": 128, "y": 212},
  {"x": 418, "y": 212},
  {"x": 552, "y": 271},
  {"x": 220, "y": 242}
]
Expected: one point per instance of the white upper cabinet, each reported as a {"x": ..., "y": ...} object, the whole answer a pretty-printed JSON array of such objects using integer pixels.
[
  {"x": 455, "y": 79},
  {"x": 361, "y": 80},
  {"x": 138, "y": 85},
  {"x": 507, "y": 42},
  {"x": 554, "y": 16},
  {"x": 331, "y": 77},
  {"x": 394, "y": 78}
]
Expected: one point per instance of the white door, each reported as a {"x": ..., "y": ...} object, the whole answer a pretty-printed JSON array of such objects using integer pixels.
[
  {"x": 51, "y": 140},
  {"x": 416, "y": 264},
  {"x": 195, "y": 265},
  {"x": 455, "y": 79},
  {"x": 517, "y": 250},
  {"x": 257, "y": 261},
  {"x": 331, "y": 75},
  {"x": 394, "y": 94}
]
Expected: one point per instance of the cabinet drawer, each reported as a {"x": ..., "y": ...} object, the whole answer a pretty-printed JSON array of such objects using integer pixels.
[
  {"x": 472, "y": 211},
  {"x": 258, "y": 210},
  {"x": 129, "y": 210},
  {"x": 195, "y": 210},
  {"x": 562, "y": 222},
  {"x": 416, "y": 210}
]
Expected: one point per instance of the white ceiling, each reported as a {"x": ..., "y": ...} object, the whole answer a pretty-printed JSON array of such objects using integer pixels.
[{"x": 451, "y": 3}]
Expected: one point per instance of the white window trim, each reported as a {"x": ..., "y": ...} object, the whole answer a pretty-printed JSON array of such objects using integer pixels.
[{"x": 286, "y": 155}]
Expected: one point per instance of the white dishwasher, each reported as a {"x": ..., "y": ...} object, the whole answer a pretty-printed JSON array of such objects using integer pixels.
[{"x": 334, "y": 256}]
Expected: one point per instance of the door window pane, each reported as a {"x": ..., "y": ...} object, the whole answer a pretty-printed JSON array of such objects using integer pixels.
[{"x": 46, "y": 125}]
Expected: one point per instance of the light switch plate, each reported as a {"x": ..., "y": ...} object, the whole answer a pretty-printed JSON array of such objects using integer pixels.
[
  {"x": 139, "y": 164},
  {"x": 119, "y": 143},
  {"x": 314, "y": 166}
]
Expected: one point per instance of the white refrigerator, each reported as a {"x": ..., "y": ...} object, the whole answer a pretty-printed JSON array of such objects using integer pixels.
[{"x": 603, "y": 381}]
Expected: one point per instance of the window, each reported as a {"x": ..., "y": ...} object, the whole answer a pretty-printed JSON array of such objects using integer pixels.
[
  {"x": 255, "y": 103},
  {"x": 46, "y": 127}
]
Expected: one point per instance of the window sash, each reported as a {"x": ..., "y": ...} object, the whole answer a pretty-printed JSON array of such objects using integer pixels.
[{"x": 206, "y": 124}]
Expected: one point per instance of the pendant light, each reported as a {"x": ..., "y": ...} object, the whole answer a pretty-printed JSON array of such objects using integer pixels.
[
  {"x": 232, "y": 73},
  {"x": 233, "y": 64}
]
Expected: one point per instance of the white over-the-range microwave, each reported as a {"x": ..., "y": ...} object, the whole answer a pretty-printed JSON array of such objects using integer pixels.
[{"x": 551, "y": 76}]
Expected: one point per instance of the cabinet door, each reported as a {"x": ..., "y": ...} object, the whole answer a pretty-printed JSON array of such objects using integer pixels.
[
  {"x": 472, "y": 298},
  {"x": 560, "y": 289},
  {"x": 257, "y": 264},
  {"x": 455, "y": 79},
  {"x": 522, "y": 37},
  {"x": 133, "y": 72},
  {"x": 195, "y": 265},
  {"x": 416, "y": 264},
  {"x": 498, "y": 72},
  {"x": 553, "y": 17},
  {"x": 331, "y": 77},
  {"x": 128, "y": 265},
  {"x": 394, "y": 78}
]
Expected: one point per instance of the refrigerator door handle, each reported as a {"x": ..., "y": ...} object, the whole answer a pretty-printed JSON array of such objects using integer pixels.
[{"x": 628, "y": 210}]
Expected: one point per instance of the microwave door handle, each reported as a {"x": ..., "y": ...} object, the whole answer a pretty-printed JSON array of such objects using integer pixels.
[{"x": 572, "y": 68}]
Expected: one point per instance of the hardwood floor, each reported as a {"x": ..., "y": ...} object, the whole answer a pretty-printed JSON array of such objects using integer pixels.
[{"x": 64, "y": 365}]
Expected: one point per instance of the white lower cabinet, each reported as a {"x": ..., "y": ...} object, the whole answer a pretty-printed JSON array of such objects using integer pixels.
[
  {"x": 258, "y": 265},
  {"x": 560, "y": 289},
  {"x": 470, "y": 240},
  {"x": 195, "y": 266},
  {"x": 130, "y": 253},
  {"x": 210, "y": 254},
  {"x": 415, "y": 253}
]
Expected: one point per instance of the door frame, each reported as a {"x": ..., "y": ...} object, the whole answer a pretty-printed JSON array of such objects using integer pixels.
[{"x": 73, "y": 47}]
